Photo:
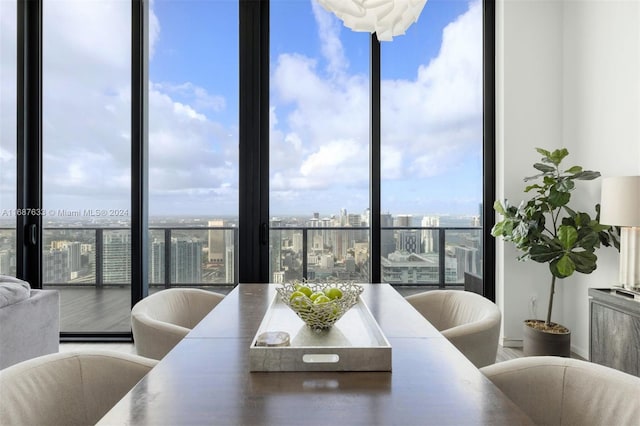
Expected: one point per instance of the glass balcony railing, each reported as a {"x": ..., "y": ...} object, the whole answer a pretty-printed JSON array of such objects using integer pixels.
[{"x": 207, "y": 256}]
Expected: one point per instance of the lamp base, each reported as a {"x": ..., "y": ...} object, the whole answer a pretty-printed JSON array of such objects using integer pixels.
[{"x": 630, "y": 258}]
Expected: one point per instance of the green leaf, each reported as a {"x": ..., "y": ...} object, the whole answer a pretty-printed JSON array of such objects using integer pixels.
[
  {"x": 544, "y": 168},
  {"x": 574, "y": 169},
  {"x": 563, "y": 266},
  {"x": 598, "y": 227},
  {"x": 568, "y": 235},
  {"x": 588, "y": 239},
  {"x": 569, "y": 211},
  {"x": 497, "y": 206},
  {"x": 542, "y": 253},
  {"x": 564, "y": 185},
  {"x": 543, "y": 152},
  {"x": 584, "y": 261},
  {"x": 498, "y": 229},
  {"x": 586, "y": 175},
  {"x": 528, "y": 178},
  {"x": 559, "y": 199},
  {"x": 557, "y": 155}
]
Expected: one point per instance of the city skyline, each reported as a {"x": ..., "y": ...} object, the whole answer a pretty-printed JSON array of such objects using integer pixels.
[{"x": 206, "y": 253}]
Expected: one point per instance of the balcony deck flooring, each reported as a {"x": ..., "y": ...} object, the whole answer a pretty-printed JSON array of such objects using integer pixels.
[
  {"x": 108, "y": 309},
  {"x": 91, "y": 309}
]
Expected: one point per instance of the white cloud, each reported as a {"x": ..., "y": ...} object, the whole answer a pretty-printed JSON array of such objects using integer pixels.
[
  {"x": 86, "y": 118},
  {"x": 430, "y": 123},
  {"x": 329, "y": 33},
  {"x": 319, "y": 117},
  {"x": 193, "y": 94}
]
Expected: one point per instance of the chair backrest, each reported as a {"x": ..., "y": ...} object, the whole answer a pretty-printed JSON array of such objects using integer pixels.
[
  {"x": 160, "y": 321},
  {"x": 184, "y": 307},
  {"x": 470, "y": 321},
  {"x": 566, "y": 391},
  {"x": 447, "y": 309},
  {"x": 71, "y": 388}
]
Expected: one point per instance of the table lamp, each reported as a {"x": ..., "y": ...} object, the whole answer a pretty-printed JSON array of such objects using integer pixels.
[{"x": 620, "y": 206}]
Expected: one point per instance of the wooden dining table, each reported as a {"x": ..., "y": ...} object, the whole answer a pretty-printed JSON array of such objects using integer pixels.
[{"x": 206, "y": 379}]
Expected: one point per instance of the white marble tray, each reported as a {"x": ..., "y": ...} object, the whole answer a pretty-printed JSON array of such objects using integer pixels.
[{"x": 354, "y": 343}]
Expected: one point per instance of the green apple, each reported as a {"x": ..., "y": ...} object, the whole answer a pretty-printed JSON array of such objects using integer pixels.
[
  {"x": 300, "y": 303},
  {"x": 333, "y": 293},
  {"x": 315, "y": 295},
  {"x": 296, "y": 294},
  {"x": 321, "y": 299},
  {"x": 305, "y": 289}
]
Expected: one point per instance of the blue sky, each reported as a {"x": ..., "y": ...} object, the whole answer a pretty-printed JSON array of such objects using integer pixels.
[{"x": 431, "y": 91}]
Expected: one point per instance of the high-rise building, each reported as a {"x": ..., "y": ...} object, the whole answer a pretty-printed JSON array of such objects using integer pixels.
[
  {"x": 327, "y": 234},
  {"x": 326, "y": 261},
  {"x": 387, "y": 239},
  {"x": 275, "y": 246},
  {"x": 55, "y": 266},
  {"x": 365, "y": 218},
  {"x": 407, "y": 241},
  {"x": 156, "y": 275},
  {"x": 403, "y": 220},
  {"x": 230, "y": 257},
  {"x": 186, "y": 261},
  {"x": 466, "y": 261},
  {"x": 429, "y": 238},
  {"x": 411, "y": 268},
  {"x": 343, "y": 217},
  {"x": 297, "y": 241},
  {"x": 354, "y": 220},
  {"x": 75, "y": 255},
  {"x": 73, "y": 248},
  {"x": 216, "y": 241},
  {"x": 116, "y": 257}
]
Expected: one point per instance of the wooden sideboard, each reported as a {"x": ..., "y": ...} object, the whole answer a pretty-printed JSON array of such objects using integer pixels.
[{"x": 615, "y": 329}]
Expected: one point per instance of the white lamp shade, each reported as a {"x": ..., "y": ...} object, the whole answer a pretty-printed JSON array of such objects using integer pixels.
[
  {"x": 387, "y": 18},
  {"x": 620, "y": 201}
]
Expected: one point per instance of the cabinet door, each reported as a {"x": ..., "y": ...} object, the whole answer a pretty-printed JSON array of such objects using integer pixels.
[{"x": 615, "y": 339}]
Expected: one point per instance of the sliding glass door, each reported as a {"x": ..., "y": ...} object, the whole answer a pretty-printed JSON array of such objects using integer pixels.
[
  {"x": 319, "y": 145},
  {"x": 193, "y": 143},
  {"x": 86, "y": 110},
  {"x": 8, "y": 125},
  {"x": 263, "y": 134},
  {"x": 432, "y": 148}
]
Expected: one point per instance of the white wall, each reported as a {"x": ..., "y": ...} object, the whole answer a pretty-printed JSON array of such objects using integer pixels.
[
  {"x": 529, "y": 115},
  {"x": 601, "y": 122},
  {"x": 568, "y": 75}
]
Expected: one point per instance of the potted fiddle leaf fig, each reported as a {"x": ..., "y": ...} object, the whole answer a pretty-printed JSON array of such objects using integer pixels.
[{"x": 546, "y": 230}]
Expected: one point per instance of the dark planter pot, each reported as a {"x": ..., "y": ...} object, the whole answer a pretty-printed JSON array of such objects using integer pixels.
[{"x": 539, "y": 342}]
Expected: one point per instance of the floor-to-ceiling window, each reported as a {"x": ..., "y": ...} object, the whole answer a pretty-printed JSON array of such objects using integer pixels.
[
  {"x": 432, "y": 145},
  {"x": 319, "y": 132},
  {"x": 86, "y": 243},
  {"x": 319, "y": 145},
  {"x": 8, "y": 162},
  {"x": 193, "y": 143}
]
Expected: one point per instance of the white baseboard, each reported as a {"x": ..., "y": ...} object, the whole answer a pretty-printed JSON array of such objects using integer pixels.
[
  {"x": 580, "y": 351},
  {"x": 511, "y": 343}
]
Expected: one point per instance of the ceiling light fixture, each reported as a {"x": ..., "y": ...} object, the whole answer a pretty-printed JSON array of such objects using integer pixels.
[{"x": 387, "y": 18}]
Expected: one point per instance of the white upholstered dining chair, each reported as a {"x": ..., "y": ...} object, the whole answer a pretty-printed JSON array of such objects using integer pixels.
[
  {"x": 567, "y": 391},
  {"x": 70, "y": 388},
  {"x": 468, "y": 320},
  {"x": 161, "y": 320}
]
